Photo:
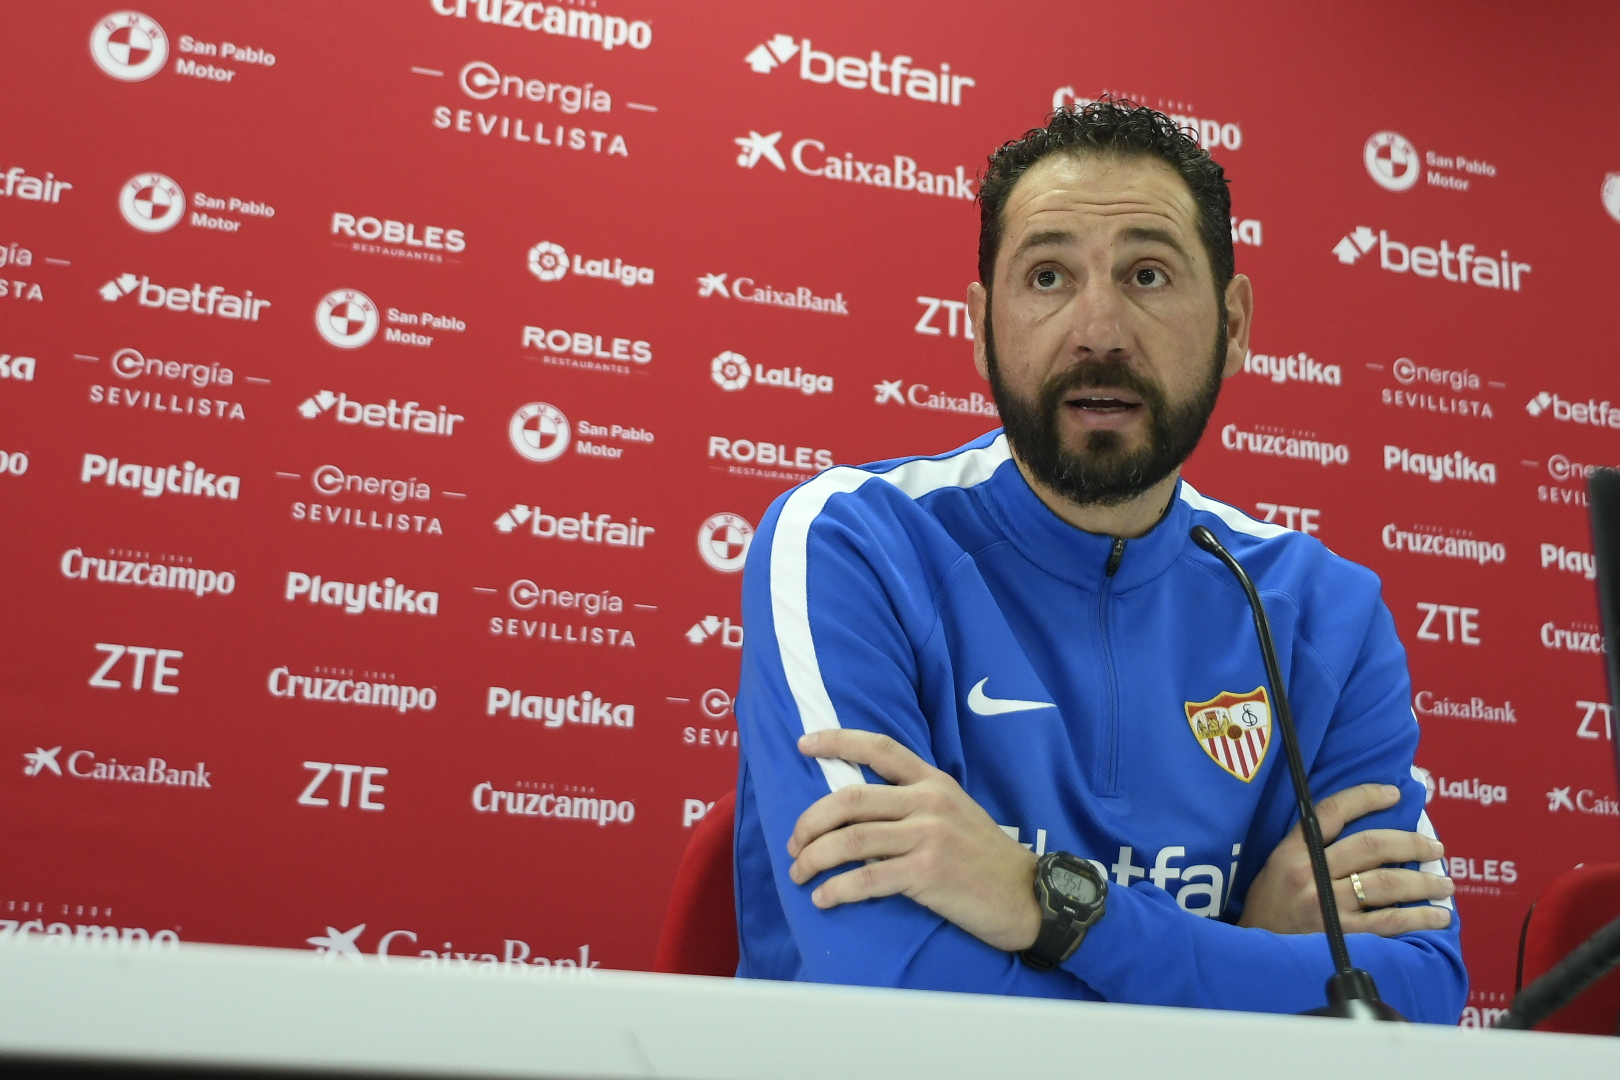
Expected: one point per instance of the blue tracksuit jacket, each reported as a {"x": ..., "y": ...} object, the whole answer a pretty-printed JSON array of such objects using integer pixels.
[{"x": 1095, "y": 696}]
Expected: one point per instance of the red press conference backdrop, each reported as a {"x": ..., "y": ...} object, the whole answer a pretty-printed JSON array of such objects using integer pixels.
[{"x": 388, "y": 392}]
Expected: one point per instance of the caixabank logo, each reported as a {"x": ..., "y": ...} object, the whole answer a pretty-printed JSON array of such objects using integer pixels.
[
  {"x": 894, "y": 77},
  {"x": 1465, "y": 264},
  {"x": 745, "y": 289},
  {"x": 810, "y": 157}
]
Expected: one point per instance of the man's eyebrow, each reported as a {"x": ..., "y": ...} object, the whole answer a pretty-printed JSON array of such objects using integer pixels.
[
  {"x": 1148, "y": 234},
  {"x": 1045, "y": 238}
]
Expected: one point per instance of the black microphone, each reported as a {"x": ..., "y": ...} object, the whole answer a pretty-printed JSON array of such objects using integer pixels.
[{"x": 1351, "y": 992}]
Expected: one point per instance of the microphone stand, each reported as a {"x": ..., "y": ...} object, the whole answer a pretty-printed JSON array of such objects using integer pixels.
[{"x": 1351, "y": 992}]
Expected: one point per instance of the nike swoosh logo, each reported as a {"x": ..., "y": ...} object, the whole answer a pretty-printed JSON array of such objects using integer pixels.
[{"x": 984, "y": 705}]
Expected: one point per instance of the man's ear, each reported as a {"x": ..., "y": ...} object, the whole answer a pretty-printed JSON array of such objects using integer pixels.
[
  {"x": 1239, "y": 319},
  {"x": 978, "y": 304}
]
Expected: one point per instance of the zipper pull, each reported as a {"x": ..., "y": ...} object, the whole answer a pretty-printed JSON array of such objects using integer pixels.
[{"x": 1116, "y": 555}]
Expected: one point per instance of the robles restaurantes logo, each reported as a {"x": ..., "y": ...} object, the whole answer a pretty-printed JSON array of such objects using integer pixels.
[
  {"x": 1429, "y": 262},
  {"x": 723, "y": 541},
  {"x": 153, "y": 481},
  {"x": 899, "y": 173},
  {"x": 129, "y": 46},
  {"x": 894, "y": 78},
  {"x": 346, "y": 318},
  {"x": 214, "y": 301},
  {"x": 730, "y": 371},
  {"x": 744, "y": 289},
  {"x": 152, "y": 202},
  {"x": 550, "y": 262},
  {"x": 400, "y": 239},
  {"x": 409, "y": 417}
]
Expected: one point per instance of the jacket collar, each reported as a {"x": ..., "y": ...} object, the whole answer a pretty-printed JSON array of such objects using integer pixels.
[{"x": 1074, "y": 555}]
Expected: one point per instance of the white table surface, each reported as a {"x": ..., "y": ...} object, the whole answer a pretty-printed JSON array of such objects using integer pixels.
[{"x": 270, "y": 1008}]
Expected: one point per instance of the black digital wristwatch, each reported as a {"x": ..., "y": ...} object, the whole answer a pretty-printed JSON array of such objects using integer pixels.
[{"x": 1072, "y": 894}]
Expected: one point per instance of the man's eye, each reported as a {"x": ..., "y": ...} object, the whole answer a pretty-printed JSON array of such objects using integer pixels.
[
  {"x": 1151, "y": 278},
  {"x": 1046, "y": 279}
]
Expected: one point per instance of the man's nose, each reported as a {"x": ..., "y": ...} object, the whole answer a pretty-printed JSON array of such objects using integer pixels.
[{"x": 1098, "y": 318}]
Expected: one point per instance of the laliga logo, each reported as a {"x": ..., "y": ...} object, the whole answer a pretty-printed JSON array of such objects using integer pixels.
[
  {"x": 1428, "y": 783},
  {"x": 723, "y": 542},
  {"x": 539, "y": 432},
  {"x": 1391, "y": 161},
  {"x": 346, "y": 318},
  {"x": 729, "y": 371},
  {"x": 548, "y": 261},
  {"x": 129, "y": 46},
  {"x": 152, "y": 202}
]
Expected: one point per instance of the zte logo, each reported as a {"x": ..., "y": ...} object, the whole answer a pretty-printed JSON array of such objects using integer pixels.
[
  {"x": 347, "y": 788},
  {"x": 138, "y": 656},
  {"x": 953, "y": 310},
  {"x": 1305, "y": 516},
  {"x": 1590, "y": 711},
  {"x": 1461, "y": 623}
]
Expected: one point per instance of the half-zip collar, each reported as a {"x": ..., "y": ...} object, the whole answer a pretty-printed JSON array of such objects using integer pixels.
[{"x": 1074, "y": 555}]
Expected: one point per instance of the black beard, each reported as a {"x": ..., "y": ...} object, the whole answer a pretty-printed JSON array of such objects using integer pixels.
[{"x": 1104, "y": 472}]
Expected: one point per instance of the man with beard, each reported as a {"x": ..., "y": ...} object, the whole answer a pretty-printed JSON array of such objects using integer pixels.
[{"x": 981, "y": 680}]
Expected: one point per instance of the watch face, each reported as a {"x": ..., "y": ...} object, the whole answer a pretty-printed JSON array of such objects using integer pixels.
[{"x": 1081, "y": 890}]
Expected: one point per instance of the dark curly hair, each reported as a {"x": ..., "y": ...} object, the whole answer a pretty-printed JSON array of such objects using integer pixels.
[{"x": 1112, "y": 126}]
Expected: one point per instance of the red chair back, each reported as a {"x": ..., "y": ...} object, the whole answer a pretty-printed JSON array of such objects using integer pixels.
[
  {"x": 700, "y": 930},
  {"x": 1570, "y": 910}
]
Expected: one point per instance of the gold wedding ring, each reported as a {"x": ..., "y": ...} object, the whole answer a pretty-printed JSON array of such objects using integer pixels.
[{"x": 1355, "y": 886}]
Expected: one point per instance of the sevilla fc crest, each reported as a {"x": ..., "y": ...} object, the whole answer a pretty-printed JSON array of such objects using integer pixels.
[{"x": 1234, "y": 730}]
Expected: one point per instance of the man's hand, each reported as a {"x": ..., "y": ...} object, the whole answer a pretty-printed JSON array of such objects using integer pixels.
[
  {"x": 924, "y": 838},
  {"x": 1283, "y": 897}
]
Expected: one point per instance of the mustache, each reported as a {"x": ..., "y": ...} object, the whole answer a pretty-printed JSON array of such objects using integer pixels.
[{"x": 1116, "y": 374}]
